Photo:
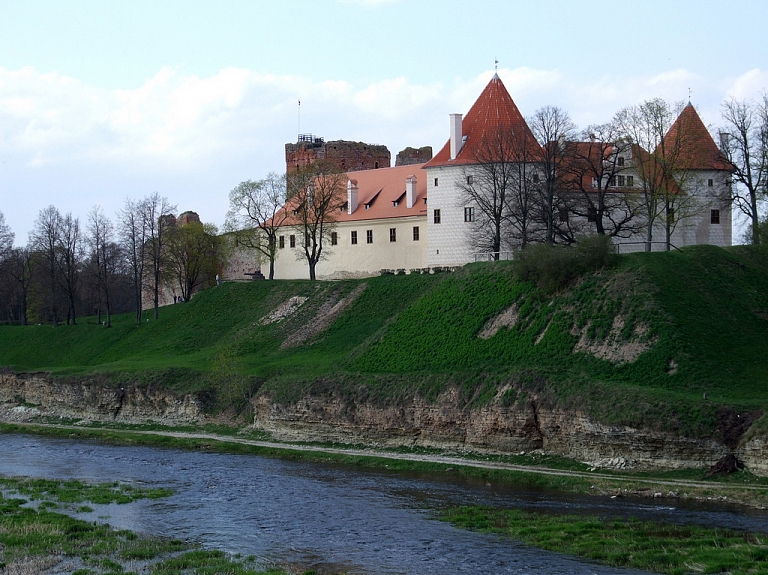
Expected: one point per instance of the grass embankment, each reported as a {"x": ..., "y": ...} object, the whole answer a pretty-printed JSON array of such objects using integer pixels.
[
  {"x": 700, "y": 315},
  {"x": 662, "y": 548},
  {"x": 36, "y": 539}
]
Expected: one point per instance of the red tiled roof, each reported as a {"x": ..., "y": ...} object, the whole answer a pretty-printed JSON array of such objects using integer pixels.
[
  {"x": 699, "y": 151},
  {"x": 379, "y": 189},
  {"x": 493, "y": 110}
]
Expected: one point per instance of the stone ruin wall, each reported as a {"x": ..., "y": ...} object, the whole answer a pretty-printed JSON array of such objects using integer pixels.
[
  {"x": 410, "y": 156},
  {"x": 347, "y": 156}
]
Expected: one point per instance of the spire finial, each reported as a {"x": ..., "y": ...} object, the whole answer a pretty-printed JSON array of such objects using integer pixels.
[
  {"x": 689, "y": 94},
  {"x": 496, "y": 64}
]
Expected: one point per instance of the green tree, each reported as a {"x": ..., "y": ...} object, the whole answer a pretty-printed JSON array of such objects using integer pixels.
[
  {"x": 195, "y": 255},
  {"x": 255, "y": 215}
]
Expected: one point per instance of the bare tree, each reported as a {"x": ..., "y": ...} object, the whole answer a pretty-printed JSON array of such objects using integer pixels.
[
  {"x": 553, "y": 128},
  {"x": 156, "y": 213},
  {"x": 744, "y": 142},
  {"x": 70, "y": 260},
  {"x": 660, "y": 163},
  {"x": 133, "y": 236},
  {"x": 317, "y": 194},
  {"x": 18, "y": 268},
  {"x": 45, "y": 238},
  {"x": 105, "y": 257},
  {"x": 6, "y": 238},
  {"x": 487, "y": 184},
  {"x": 600, "y": 194},
  {"x": 255, "y": 215},
  {"x": 195, "y": 255}
]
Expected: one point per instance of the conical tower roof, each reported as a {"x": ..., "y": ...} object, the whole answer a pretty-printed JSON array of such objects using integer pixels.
[
  {"x": 698, "y": 150},
  {"x": 493, "y": 113}
]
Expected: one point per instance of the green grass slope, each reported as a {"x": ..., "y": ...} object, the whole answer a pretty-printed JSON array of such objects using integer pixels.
[{"x": 640, "y": 343}]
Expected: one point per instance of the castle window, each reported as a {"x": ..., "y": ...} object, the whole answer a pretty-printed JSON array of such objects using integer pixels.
[
  {"x": 437, "y": 216},
  {"x": 619, "y": 161},
  {"x": 620, "y": 181},
  {"x": 470, "y": 180},
  {"x": 435, "y": 182},
  {"x": 714, "y": 217},
  {"x": 563, "y": 215},
  {"x": 535, "y": 178},
  {"x": 369, "y": 236},
  {"x": 469, "y": 214},
  {"x": 392, "y": 234},
  {"x": 353, "y": 238},
  {"x": 334, "y": 238},
  {"x": 281, "y": 242},
  {"x": 415, "y": 233},
  {"x": 591, "y": 215},
  {"x": 710, "y": 182},
  {"x": 292, "y": 241},
  {"x": 630, "y": 181},
  {"x": 671, "y": 215},
  {"x": 612, "y": 181},
  {"x": 376, "y": 165}
]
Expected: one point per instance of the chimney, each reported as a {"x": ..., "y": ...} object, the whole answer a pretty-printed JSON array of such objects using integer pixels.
[
  {"x": 351, "y": 196},
  {"x": 410, "y": 191},
  {"x": 456, "y": 135},
  {"x": 725, "y": 142}
]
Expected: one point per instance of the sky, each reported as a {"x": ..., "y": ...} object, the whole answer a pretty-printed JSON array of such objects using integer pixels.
[{"x": 101, "y": 101}]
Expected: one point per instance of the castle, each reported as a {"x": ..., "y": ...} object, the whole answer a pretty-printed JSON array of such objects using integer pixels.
[{"x": 428, "y": 214}]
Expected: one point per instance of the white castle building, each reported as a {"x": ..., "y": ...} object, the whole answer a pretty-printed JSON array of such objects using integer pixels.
[{"x": 420, "y": 216}]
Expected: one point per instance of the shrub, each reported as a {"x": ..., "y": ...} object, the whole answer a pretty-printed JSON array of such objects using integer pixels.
[{"x": 553, "y": 267}]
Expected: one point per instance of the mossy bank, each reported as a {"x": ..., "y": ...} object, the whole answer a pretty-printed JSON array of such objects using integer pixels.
[{"x": 657, "y": 361}]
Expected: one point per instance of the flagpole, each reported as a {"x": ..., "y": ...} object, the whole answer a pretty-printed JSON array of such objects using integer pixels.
[{"x": 299, "y": 134}]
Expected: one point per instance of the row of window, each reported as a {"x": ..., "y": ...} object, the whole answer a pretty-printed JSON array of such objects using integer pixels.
[
  {"x": 469, "y": 216},
  {"x": 352, "y": 237}
]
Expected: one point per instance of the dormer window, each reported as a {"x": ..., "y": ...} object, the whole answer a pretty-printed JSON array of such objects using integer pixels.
[
  {"x": 395, "y": 204},
  {"x": 367, "y": 206}
]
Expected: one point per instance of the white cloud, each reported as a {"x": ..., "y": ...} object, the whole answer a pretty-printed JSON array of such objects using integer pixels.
[
  {"x": 201, "y": 135},
  {"x": 749, "y": 85}
]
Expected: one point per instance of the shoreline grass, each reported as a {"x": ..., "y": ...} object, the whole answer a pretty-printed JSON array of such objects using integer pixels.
[
  {"x": 631, "y": 543},
  {"x": 38, "y": 539}
]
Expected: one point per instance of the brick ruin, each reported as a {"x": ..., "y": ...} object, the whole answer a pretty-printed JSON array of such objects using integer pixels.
[
  {"x": 410, "y": 156},
  {"x": 347, "y": 156}
]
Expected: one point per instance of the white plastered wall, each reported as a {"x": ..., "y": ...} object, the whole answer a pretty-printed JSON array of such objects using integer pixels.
[{"x": 346, "y": 260}]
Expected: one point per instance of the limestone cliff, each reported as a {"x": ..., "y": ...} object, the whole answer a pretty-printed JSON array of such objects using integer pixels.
[{"x": 494, "y": 428}]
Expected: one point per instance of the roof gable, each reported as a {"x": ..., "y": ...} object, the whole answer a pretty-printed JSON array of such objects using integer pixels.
[
  {"x": 493, "y": 111},
  {"x": 698, "y": 149}
]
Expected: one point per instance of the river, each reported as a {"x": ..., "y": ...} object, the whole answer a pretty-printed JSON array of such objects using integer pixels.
[{"x": 327, "y": 517}]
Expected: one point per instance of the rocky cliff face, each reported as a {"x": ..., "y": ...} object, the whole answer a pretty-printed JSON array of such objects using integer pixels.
[
  {"x": 492, "y": 429},
  {"x": 496, "y": 429},
  {"x": 39, "y": 395}
]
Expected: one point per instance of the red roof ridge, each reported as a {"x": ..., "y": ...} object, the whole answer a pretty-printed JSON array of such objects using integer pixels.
[
  {"x": 698, "y": 149},
  {"x": 493, "y": 110}
]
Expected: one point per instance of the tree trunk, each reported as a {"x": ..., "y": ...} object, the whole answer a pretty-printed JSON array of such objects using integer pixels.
[
  {"x": 272, "y": 268},
  {"x": 312, "y": 276},
  {"x": 157, "y": 293}
]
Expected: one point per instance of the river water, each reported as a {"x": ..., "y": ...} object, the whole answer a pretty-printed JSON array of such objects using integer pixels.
[{"x": 327, "y": 517}]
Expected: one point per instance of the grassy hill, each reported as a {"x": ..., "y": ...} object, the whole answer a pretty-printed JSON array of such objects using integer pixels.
[{"x": 640, "y": 343}]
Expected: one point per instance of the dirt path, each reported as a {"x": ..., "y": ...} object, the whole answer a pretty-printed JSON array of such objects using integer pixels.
[{"x": 421, "y": 457}]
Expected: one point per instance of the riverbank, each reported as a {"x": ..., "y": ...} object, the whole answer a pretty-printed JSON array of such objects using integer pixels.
[
  {"x": 530, "y": 469},
  {"x": 39, "y": 535},
  {"x": 672, "y": 549}
]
